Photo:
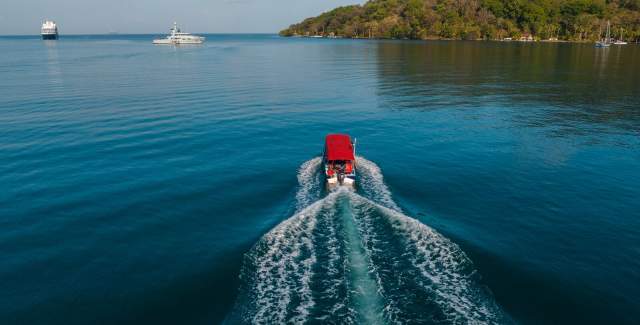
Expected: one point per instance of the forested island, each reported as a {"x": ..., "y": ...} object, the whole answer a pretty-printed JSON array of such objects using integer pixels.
[{"x": 570, "y": 20}]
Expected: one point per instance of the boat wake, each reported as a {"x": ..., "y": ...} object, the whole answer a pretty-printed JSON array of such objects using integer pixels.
[{"x": 355, "y": 258}]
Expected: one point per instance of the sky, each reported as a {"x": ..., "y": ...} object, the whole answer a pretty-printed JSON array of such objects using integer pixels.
[{"x": 24, "y": 17}]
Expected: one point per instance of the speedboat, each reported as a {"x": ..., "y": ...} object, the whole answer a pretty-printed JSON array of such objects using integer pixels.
[
  {"x": 178, "y": 37},
  {"x": 339, "y": 159}
]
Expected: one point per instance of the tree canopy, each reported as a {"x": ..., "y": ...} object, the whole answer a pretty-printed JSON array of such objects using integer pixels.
[{"x": 575, "y": 20}]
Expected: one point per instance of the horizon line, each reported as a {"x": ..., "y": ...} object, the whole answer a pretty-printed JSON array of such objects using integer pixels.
[{"x": 114, "y": 34}]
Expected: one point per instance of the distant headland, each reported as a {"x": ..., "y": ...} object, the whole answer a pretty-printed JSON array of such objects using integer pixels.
[{"x": 553, "y": 20}]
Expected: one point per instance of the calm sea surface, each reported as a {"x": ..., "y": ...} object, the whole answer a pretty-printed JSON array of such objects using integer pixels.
[{"x": 500, "y": 182}]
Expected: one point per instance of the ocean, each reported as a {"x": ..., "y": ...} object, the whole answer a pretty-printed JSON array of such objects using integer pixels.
[{"x": 498, "y": 182}]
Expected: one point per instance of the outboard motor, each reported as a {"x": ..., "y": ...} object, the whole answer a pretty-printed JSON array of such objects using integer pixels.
[
  {"x": 340, "y": 177},
  {"x": 340, "y": 168}
]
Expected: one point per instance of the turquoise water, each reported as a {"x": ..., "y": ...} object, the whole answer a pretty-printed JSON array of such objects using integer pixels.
[{"x": 145, "y": 184}]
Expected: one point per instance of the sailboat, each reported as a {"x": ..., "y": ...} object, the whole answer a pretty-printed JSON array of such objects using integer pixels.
[{"x": 606, "y": 42}]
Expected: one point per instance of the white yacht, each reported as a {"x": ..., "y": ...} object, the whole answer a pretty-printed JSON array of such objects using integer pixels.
[
  {"x": 177, "y": 37},
  {"x": 49, "y": 30}
]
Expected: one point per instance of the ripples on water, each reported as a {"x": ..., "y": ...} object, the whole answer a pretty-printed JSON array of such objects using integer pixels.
[
  {"x": 347, "y": 259},
  {"x": 134, "y": 178}
]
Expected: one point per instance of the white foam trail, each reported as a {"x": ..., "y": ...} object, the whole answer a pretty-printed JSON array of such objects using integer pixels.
[
  {"x": 333, "y": 265},
  {"x": 309, "y": 182},
  {"x": 439, "y": 260},
  {"x": 364, "y": 290},
  {"x": 282, "y": 281},
  {"x": 371, "y": 181},
  {"x": 443, "y": 265},
  {"x": 279, "y": 271}
]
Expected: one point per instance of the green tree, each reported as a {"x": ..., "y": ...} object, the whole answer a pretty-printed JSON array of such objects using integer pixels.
[{"x": 472, "y": 19}]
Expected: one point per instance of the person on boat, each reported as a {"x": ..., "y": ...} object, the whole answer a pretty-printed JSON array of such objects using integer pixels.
[{"x": 339, "y": 159}]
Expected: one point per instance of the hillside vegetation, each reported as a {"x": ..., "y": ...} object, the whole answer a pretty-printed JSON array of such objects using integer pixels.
[{"x": 575, "y": 20}]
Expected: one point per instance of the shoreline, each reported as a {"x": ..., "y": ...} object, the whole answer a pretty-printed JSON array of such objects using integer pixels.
[{"x": 449, "y": 39}]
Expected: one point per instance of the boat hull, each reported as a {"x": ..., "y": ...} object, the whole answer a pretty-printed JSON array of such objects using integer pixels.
[
  {"x": 168, "y": 42},
  {"x": 332, "y": 180},
  {"x": 348, "y": 181},
  {"x": 49, "y": 36}
]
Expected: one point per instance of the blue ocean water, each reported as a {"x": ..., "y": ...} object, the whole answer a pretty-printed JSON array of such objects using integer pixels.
[{"x": 146, "y": 184}]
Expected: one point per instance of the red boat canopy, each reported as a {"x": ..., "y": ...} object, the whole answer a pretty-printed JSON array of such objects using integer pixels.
[{"x": 338, "y": 147}]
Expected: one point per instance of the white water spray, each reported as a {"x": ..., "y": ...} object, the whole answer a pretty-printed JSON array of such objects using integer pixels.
[{"x": 352, "y": 258}]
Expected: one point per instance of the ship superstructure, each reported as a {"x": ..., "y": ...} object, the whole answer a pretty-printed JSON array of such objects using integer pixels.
[
  {"x": 49, "y": 30},
  {"x": 178, "y": 37}
]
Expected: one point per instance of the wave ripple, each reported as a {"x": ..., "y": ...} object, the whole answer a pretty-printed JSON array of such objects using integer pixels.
[{"x": 356, "y": 258}]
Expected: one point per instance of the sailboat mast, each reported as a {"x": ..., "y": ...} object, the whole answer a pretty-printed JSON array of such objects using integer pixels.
[{"x": 621, "y": 37}]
